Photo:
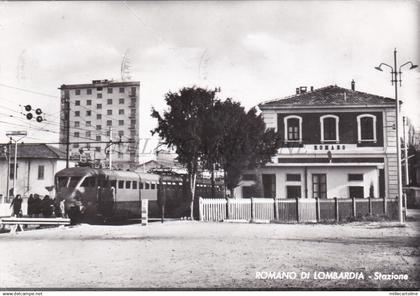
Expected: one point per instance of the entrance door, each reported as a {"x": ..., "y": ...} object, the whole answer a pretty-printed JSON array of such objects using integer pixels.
[
  {"x": 269, "y": 185},
  {"x": 319, "y": 185}
]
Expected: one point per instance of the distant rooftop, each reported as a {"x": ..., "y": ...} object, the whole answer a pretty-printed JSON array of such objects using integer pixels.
[
  {"x": 328, "y": 96},
  {"x": 100, "y": 83},
  {"x": 33, "y": 151}
]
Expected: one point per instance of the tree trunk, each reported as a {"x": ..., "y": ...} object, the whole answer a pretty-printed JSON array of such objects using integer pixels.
[
  {"x": 193, "y": 179},
  {"x": 213, "y": 193}
]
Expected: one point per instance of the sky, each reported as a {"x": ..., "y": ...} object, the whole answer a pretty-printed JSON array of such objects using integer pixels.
[{"x": 253, "y": 51}]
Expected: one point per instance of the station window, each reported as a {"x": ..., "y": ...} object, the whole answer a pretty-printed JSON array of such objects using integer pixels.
[
  {"x": 120, "y": 184},
  {"x": 355, "y": 177},
  {"x": 293, "y": 128},
  {"x": 293, "y": 177},
  {"x": 41, "y": 170}
]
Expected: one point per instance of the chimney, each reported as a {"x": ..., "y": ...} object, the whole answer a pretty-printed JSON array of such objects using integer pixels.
[
  {"x": 312, "y": 88},
  {"x": 297, "y": 90},
  {"x": 303, "y": 89},
  {"x": 353, "y": 85}
]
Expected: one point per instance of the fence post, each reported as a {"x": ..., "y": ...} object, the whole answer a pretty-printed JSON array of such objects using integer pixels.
[
  {"x": 275, "y": 209},
  {"x": 318, "y": 210},
  {"x": 336, "y": 209},
  {"x": 200, "y": 208},
  {"x": 370, "y": 205},
  {"x": 353, "y": 203},
  {"x": 227, "y": 208},
  {"x": 297, "y": 209},
  {"x": 404, "y": 206},
  {"x": 252, "y": 209},
  {"x": 144, "y": 211},
  {"x": 385, "y": 206}
]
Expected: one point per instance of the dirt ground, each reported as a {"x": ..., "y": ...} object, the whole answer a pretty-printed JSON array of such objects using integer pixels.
[{"x": 182, "y": 254}]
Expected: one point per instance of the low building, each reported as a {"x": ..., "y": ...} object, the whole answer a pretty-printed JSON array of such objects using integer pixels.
[
  {"x": 36, "y": 167},
  {"x": 337, "y": 142}
]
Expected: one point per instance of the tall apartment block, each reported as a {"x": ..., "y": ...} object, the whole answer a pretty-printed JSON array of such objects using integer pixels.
[{"x": 96, "y": 113}]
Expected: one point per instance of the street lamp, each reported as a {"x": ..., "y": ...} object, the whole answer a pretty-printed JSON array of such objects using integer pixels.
[
  {"x": 22, "y": 134},
  {"x": 395, "y": 78}
]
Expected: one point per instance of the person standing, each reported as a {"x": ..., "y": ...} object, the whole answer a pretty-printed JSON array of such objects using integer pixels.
[
  {"x": 36, "y": 206},
  {"x": 31, "y": 200},
  {"x": 17, "y": 206},
  {"x": 47, "y": 206}
]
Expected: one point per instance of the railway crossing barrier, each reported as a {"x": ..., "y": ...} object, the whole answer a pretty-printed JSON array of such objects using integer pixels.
[{"x": 17, "y": 223}]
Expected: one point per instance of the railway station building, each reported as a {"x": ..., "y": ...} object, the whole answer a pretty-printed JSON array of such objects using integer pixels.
[{"x": 337, "y": 142}]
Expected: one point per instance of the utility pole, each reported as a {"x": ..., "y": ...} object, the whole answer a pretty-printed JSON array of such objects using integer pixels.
[
  {"x": 8, "y": 168},
  {"x": 396, "y": 77},
  {"x": 67, "y": 108},
  {"x": 110, "y": 148},
  {"x": 405, "y": 153}
]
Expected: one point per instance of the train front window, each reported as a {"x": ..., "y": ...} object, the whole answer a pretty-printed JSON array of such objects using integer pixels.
[
  {"x": 88, "y": 182},
  {"x": 62, "y": 182},
  {"x": 74, "y": 181}
]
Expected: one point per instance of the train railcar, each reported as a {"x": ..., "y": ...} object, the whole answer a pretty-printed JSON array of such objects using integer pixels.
[
  {"x": 100, "y": 194},
  {"x": 103, "y": 194}
]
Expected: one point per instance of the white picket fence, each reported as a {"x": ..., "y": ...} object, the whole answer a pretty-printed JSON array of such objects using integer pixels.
[{"x": 293, "y": 210}]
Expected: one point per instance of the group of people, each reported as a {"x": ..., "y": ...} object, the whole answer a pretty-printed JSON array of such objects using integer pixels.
[{"x": 37, "y": 206}]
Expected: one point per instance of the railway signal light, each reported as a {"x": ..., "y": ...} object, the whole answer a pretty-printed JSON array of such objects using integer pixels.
[{"x": 30, "y": 115}]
